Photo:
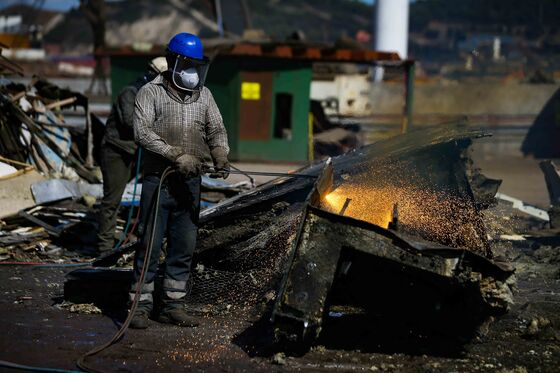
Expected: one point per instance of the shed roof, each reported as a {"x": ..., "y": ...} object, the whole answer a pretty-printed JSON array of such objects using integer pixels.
[{"x": 294, "y": 51}]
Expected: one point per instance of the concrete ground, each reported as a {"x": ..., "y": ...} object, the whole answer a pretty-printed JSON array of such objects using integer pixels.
[
  {"x": 500, "y": 157},
  {"x": 35, "y": 332}
]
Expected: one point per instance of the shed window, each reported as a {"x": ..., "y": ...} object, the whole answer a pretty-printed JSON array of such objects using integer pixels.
[{"x": 283, "y": 116}]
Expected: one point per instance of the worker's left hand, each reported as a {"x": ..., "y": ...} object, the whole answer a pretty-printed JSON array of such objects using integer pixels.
[
  {"x": 221, "y": 164},
  {"x": 220, "y": 171}
]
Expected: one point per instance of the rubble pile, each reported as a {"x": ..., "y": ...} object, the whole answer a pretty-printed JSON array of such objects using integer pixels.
[
  {"x": 34, "y": 130},
  {"x": 35, "y": 136},
  {"x": 61, "y": 233}
]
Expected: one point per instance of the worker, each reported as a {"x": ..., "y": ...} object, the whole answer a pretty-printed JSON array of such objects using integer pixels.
[
  {"x": 118, "y": 151},
  {"x": 178, "y": 125}
]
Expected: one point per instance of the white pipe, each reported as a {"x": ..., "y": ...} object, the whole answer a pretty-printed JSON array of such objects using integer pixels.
[{"x": 391, "y": 26}]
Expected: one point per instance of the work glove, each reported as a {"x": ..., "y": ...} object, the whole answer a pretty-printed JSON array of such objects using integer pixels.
[
  {"x": 221, "y": 163},
  {"x": 174, "y": 153},
  {"x": 188, "y": 165}
]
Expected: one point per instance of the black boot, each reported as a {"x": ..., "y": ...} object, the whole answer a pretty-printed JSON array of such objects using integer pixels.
[
  {"x": 177, "y": 316},
  {"x": 139, "y": 320},
  {"x": 144, "y": 306}
]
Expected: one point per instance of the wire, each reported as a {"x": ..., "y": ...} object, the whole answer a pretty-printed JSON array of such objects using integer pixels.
[
  {"x": 129, "y": 219},
  {"x": 253, "y": 184},
  {"x": 136, "y": 220},
  {"x": 8, "y": 364},
  {"x": 46, "y": 264},
  {"x": 140, "y": 283}
]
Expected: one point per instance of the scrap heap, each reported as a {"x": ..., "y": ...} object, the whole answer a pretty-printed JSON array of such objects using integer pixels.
[
  {"x": 36, "y": 142},
  {"x": 33, "y": 128},
  {"x": 385, "y": 229}
]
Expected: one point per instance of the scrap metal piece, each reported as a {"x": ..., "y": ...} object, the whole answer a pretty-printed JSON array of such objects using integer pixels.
[
  {"x": 484, "y": 188},
  {"x": 317, "y": 263},
  {"x": 325, "y": 238},
  {"x": 521, "y": 206},
  {"x": 102, "y": 286},
  {"x": 323, "y": 185},
  {"x": 53, "y": 190},
  {"x": 423, "y": 171},
  {"x": 28, "y": 214},
  {"x": 345, "y": 206}
]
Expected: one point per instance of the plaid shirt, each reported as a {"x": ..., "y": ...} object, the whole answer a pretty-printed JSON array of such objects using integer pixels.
[{"x": 163, "y": 120}]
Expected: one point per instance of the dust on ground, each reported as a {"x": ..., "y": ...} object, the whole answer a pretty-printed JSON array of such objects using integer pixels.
[{"x": 527, "y": 339}]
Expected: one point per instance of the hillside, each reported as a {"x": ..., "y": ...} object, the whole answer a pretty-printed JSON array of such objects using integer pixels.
[
  {"x": 440, "y": 29},
  {"x": 155, "y": 22}
]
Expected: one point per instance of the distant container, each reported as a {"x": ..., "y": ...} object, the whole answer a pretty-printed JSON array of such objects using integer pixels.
[
  {"x": 25, "y": 54},
  {"x": 350, "y": 91}
]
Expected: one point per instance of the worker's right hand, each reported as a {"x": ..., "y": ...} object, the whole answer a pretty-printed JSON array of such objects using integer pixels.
[{"x": 189, "y": 165}]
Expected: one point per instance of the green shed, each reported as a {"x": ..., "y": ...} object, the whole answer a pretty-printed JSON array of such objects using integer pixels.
[{"x": 262, "y": 91}]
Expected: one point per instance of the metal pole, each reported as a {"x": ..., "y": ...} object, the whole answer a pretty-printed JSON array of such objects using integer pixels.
[
  {"x": 89, "y": 138},
  {"x": 246, "y": 15},
  {"x": 219, "y": 19},
  {"x": 310, "y": 148},
  {"x": 275, "y": 174},
  {"x": 409, "y": 67}
]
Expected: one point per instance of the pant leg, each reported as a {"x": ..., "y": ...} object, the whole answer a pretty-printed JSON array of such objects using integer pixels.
[
  {"x": 148, "y": 207},
  {"x": 116, "y": 168},
  {"x": 181, "y": 241}
]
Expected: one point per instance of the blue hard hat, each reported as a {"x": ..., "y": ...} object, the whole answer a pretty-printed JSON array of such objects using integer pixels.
[{"x": 186, "y": 45}]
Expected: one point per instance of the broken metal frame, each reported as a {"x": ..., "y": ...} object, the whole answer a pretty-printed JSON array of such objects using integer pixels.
[
  {"x": 322, "y": 186},
  {"x": 302, "y": 301},
  {"x": 55, "y": 231},
  {"x": 313, "y": 265}
]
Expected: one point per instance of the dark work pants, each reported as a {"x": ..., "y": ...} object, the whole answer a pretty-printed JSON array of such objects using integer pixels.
[
  {"x": 177, "y": 219},
  {"x": 117, "y": 168}
]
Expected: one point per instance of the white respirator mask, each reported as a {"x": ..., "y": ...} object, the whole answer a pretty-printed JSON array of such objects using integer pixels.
[{"x": 188, "y": 76}]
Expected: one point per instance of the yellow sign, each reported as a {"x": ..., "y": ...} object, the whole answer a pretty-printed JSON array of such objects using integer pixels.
[{"x": 250, "y": 91}]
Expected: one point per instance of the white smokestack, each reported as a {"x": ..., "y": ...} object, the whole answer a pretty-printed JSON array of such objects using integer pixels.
[{"x": 391, "y": 28}]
